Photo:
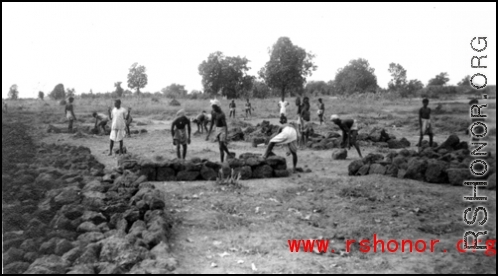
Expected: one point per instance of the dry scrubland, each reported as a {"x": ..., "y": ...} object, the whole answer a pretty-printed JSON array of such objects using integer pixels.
[{"x": 224, "y": 229}]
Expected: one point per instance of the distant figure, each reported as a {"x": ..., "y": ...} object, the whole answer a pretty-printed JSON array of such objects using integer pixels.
[
  {"x": 248, "y": 108},
  {"x": 424, "y": 119},
  {"x": 118, "y": 132},
  {"x": 218, "y": 118},
  {"x": 69, "y": 112},
  {"x": 129, "y": 120},
  {"x": 287, "y": 135},
  {"x": 283, "y": 107},
  {"x": 305, "y": 109},
  {"x": 321, "y": 110},
  {"x": 349, "y": 132},
  {"x": 232, "y": 109},
  {"x": 4, "y": 106},
  {"x": 100, "y": 121},
  {"x": 202, "y": 120},
  {"x": 298, "y": 105},
  {"x": 179, "y": 133}
]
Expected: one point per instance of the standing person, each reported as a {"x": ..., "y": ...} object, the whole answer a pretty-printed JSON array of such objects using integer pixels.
[
  {"x": 118, "y": 132},
  {"x": 321, "y": 110},
  {"x": 100, "y": 121},
  {"x": 283, "y": 107},
  {"x": 287, "y": 135},
  {"x": 232, "y": 109},
  {"x": 349, "y": 132},
  {"x": 129, "y": 119},
  {"x": 248, "y": 108},
  {"x": 424, "y": 118},
  {"x": 218, "y": 118},
  {"x": 69, "y": 112},
  {"x": 305, "y": 127},
  {"x": 179, "y": 133}
]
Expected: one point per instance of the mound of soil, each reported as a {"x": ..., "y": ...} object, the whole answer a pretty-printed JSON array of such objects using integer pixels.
[
  {"x": 445, "y": 164},
  {"x": 174, "y": 102},
  {"x": 62, "y": 214}
]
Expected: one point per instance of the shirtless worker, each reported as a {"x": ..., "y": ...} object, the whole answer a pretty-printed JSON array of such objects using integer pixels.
[
  {"x": 218, "y": 118},
  {"x": 100, "y": 121},
  {"x": 287, "y": 135},
  {"x": 202, "y": 120},
  {"x": 69, "y": 112},
  {"x": 232, "y": 109},
  {"x": 248, "y": 108},
  {"x": 129, "y": 119},
  {"x": 179, "y": 133},
  {"x": 424, "y": 118},
  {"x": 349, "y": 132},
  {"x": 305, "y": 126}
]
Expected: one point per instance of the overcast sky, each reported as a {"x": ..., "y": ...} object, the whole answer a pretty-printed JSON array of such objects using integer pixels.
[{"x": 92, "y": 45}]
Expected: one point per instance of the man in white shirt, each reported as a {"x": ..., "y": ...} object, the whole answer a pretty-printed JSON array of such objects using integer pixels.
[
  {"x": 118, "y": 127},
  {"x": 283, "y": 107}
]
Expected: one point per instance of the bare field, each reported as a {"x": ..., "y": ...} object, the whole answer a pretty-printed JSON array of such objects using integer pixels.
[{"x": 226, "y": 230}]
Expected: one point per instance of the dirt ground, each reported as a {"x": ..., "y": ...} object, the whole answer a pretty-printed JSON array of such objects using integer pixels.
[{"x": 246, "y": 229}]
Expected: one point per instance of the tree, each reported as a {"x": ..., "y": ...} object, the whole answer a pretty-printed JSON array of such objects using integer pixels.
[
  {"x": 411, "y": 88},
  {"x": 41, "y": 95},
  {"x": 288, "y": 67},
  {"x": 260, "y": 90},
  {"x": 465, "y": 82},
  {"x": 13, "y": 92},
  {"x": 137, "y": 78},
  {"x": 70, "y": 92},
  {"x": 440, "y": 79},
  {"x": 398, "y": 74},
  {"x": 58, "y": 93},
  {"x": 119, "y": 90},
  {"x": 357, "y": 76},
  {"x": 317, "y": 88},
  {"x": 227, "y": 75},
  {"x": 174, "y": 91}
]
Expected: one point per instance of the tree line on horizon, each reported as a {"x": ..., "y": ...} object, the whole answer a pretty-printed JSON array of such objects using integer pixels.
[{"x": 284, "y": 74}]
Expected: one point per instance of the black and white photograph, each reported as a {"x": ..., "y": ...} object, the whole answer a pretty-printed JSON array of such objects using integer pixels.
[{"x": 248, "y": 138}]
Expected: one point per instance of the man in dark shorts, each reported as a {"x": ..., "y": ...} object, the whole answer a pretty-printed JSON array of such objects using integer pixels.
[
  {"x": 101, "y": 121},
  {"x": 179, "y": 133},
  {"x": 349, "y": 132},
  {"x": 424, "y": 119},
  {"x": 69, "y": 112},
  {"x": 232, "y": 109},
  {"x": 202, "y": 120},
  {"x": 218, "y": 118}
]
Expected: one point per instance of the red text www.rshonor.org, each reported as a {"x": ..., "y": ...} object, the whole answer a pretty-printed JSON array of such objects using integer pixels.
[{"x": 381, "y": 246}]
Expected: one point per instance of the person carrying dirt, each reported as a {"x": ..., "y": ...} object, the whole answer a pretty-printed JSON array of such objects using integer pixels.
[
  {"x": 287, "y": 135},
  {"x": 100, "y": 121},
  {"x": 218, "y": 118},
  {"x": 248, "y": 108},
  {"x": 179, "y": 133},
  {"x": 424, "y": 118},
  {"x": 232, "y": 109},
  {"x": 321, "y": 110},
  {"x": 118, "y": 132},
  {"x": 349, "y": 129},
  {"x": 69, "y": 112},
  {"x": 202, "y": 120}
]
